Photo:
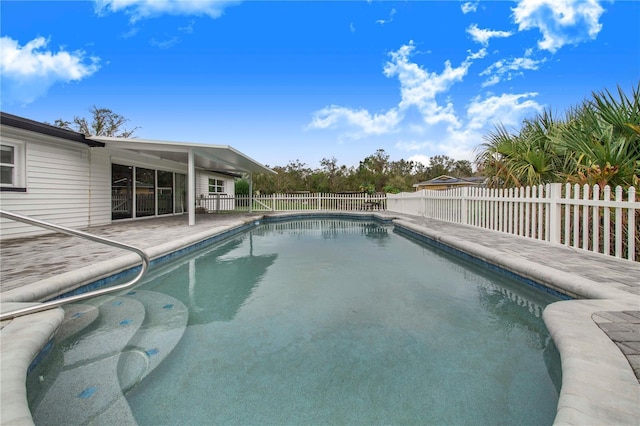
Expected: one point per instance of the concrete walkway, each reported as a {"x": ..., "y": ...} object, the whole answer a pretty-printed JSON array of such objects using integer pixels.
[{"x": 598, "y": 336}]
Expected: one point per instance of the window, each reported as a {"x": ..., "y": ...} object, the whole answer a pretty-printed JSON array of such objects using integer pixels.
[
  {"x": 216, "y": 186},
  {"x": 7, "y": 165},
  {"x": 12, "y": 167}
]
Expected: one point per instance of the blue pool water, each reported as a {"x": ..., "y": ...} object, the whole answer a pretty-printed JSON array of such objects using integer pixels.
[{"x": 317, "y": 321}]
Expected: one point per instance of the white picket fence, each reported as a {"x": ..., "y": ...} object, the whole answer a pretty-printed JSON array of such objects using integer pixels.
[
  {"x": 581, "y": 217},
  {"x": 292, "y": 202}
]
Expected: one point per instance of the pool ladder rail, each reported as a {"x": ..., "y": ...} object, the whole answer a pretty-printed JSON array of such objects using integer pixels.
[{"x": 70, "y": 299}]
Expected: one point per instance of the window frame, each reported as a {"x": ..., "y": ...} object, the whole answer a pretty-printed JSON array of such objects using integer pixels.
[
  {"x": 218, "y": 185},
  {"x": 18, "y": 183}
]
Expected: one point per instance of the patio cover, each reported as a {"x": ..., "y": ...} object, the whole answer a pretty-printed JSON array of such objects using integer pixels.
[{"x": 220, "y": 158}]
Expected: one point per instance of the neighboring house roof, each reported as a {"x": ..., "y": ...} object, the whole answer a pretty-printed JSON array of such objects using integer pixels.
[
  {"x": 449, "y": 180},
  {"x": 45, "y": 129}
]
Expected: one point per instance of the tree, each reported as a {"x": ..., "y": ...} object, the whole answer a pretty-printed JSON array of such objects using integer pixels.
[
  {"x": 462, "y": 168},
  {"x": 374, "y": 170},
  {"x": 104, "y": 122},
  {"x": 440, "y": 165},
  {"x": 242, "y": 187},
  {"x": 597, "y": 142}
]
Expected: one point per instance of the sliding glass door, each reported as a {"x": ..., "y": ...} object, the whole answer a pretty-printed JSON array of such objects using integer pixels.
[
  {"x": 165, "y": 192},
  {"x": 157, "y": 192},
  {"x": 121, "y": 192},
  {"x": 181, "y": 193},
  {"x": 145, "y": 192}
]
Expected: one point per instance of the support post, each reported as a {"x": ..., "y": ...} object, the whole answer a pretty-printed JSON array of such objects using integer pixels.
[
  {"x": 250, "y": 192},
  {"x": 191, "y": 188}
]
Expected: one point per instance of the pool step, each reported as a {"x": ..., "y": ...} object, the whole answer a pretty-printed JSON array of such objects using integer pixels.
[{"x": 131, "y": 336}]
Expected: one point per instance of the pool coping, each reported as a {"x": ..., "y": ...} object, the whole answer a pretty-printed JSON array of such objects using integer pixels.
[{"x": 598, "y": 386}]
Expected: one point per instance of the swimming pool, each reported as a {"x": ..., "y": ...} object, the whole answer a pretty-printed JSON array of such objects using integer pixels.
[{"x": 305, "y": 322}]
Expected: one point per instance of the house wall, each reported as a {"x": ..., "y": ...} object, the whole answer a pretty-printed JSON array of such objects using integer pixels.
[
  {"x": 69, "y": 183},
  {"x": 202, "y": 190},
  {"x": 202, "y": 183},
  {"x": 443, "y": 186},
  {"x": 57, "y": 182},
  {"x": 99, "y": 187}
]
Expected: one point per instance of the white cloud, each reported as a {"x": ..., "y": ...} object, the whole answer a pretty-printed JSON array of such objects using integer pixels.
[
  {"x": 483, "y": 36},
  {"x": 410, "y": 146},
  {"x": 365, "y": 122},
  {"x": 470, "y": 6},
  {"x": 491, "y": 81},
  {"x": 188, "y": 29},
  {"x": 561, "y": 22},
  {"x": 132, "y": 32},
  {"x": 165, "y": 44},
  {"x": 508, "y": 109},
  {"x": 141, "y": 9},
  {"x": 420, "y": 158},
  {"x": 478, "y": 55},
  {"x": 481, "y": 116},
  {"x": 352, "y": 27},
  {"x": 418, "y": 88},
  {"x": 29, "y": 71},
  {"x": 507, "y": 69},
  {"x": 422, "y": 124},
  {"x": 386, "y": 21}
]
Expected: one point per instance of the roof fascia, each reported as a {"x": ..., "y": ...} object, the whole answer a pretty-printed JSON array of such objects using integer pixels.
[{"x": 46, "y": 129}]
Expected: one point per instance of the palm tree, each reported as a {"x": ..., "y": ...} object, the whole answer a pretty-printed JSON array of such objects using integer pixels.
[
  {"x": 496, "y": 158},
  {"x": 597, "y": 142},
  {"x": 602, "y": 140},
  {"x": 528, "y": 158}
]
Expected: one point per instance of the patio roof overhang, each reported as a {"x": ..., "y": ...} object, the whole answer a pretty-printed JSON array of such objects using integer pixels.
[{"x": 222, "y": 158}]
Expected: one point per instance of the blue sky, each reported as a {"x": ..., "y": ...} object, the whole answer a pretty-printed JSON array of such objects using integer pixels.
[{"x": 283, "y": 81}]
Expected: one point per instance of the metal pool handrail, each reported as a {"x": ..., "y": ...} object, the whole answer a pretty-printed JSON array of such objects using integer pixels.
[{"x": 59, "y": 302}]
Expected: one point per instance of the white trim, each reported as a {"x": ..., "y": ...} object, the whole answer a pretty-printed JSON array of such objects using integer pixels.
[{"x": 19, "y": 163}]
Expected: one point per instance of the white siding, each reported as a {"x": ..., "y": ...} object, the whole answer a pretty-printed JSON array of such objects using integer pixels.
[
  {"x": 202, "y": 183},
  {"x": 99, "y": 187},
  {"x": 57, "y": 183}
]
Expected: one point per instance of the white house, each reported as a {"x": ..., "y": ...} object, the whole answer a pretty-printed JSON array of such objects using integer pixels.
[{"x": 66, "y": 178}]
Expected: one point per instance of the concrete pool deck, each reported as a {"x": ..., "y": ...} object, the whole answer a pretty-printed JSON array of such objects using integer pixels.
[{"x": 597, "y": 336}]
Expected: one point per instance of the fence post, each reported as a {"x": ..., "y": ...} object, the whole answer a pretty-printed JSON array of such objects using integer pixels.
[
  {"x": 555, "y": 196},
  {"x": 464, "y": 196}
]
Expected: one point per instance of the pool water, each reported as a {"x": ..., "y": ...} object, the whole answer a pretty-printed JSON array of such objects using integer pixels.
[{"x": 317, "y": 321}]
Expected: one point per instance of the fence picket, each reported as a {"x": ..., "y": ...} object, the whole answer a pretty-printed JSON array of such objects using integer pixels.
[
  {"x": 618, "y": 223},
  {"x": 567, "y": 216},
  {"x": 576, "y": 217},
  {"x": 607, "y": 222},
  {"x": 585, "y": 218},
  {"x": 540, "y": 213},
  {"x": 595, "y": 218},
  {"x": 631, "y": 227}
]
